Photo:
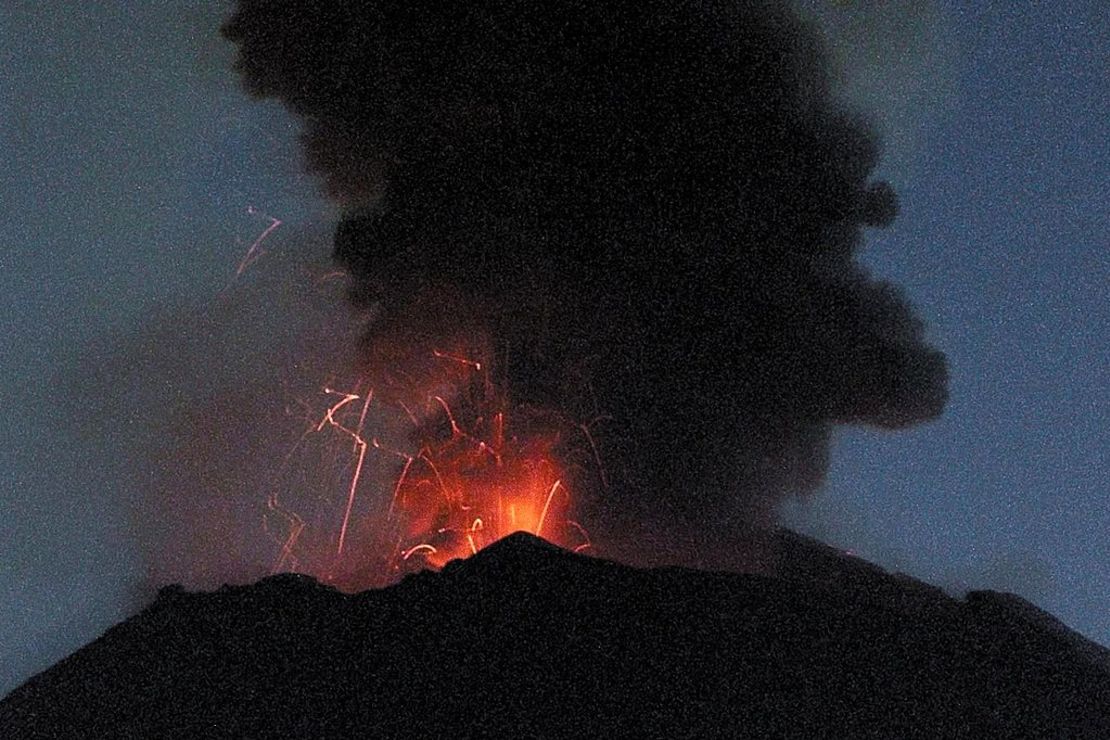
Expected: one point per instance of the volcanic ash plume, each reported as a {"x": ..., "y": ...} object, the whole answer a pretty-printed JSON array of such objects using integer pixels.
[{"x": 652, "y": 209}]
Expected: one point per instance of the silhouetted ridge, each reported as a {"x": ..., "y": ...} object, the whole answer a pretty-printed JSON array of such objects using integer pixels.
[
  {"x": 520, "y": 545},
  {"x": 518, "y": 550},
  {"x": 526, "y": 639}
]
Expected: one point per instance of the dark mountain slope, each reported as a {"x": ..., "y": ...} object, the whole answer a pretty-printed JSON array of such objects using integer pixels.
[{"x": 525, "y": 639}]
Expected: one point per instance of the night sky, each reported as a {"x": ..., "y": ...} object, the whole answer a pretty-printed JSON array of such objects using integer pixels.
[{"x": 134, "y": 158}]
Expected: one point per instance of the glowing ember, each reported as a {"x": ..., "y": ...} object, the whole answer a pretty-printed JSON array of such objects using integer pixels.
[{"x": 256, "y": 251}]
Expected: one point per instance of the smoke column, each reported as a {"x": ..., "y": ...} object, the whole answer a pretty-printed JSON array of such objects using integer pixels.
[{"x": 654, "y": 210}]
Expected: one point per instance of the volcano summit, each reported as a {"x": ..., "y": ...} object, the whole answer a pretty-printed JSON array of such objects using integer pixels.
[{"x": 527, "y": 640}]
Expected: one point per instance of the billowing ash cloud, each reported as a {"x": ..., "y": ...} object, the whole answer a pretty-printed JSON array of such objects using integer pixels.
[{"x": 654, "y": 208}]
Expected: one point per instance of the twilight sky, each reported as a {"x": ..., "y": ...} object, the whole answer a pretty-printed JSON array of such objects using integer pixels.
[{"x": 133, "y": 159}]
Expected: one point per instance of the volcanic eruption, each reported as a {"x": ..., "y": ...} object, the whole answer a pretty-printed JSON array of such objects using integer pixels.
[
  {"x": 603, "y": 258},
  {"x": 644, "y": 218},
  {"x": 527, "y": 640}
]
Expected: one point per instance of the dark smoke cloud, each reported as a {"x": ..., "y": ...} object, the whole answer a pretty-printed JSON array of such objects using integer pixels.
[{"x": 653, "y": 207}]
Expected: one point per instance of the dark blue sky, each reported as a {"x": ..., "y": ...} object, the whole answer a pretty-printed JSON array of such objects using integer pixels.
[
  {"x": 1002, "y": 243},
  {"x": 132, "y": 158}
]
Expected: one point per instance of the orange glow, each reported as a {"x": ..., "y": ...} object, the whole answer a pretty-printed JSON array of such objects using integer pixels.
[
  {"x": 423, "y": 482},
  {"x": 475, "y": 487}
]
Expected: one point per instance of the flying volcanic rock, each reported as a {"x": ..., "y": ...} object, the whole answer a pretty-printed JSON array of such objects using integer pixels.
[{"x": 527, "y": 640}]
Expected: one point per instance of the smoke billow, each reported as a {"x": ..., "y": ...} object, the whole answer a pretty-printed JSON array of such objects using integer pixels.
[{"x": 653, "y": 208}]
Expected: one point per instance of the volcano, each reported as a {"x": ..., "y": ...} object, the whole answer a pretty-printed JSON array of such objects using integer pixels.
[{"x": 528, "y": 639}]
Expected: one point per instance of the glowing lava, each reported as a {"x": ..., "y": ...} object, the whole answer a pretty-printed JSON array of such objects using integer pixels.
[
  {"x": 461, "y": 477},
  {"x": 414, "y": 457}
]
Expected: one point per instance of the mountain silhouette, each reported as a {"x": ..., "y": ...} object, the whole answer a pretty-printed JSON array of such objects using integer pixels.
[{"x": 525, "y": 639}]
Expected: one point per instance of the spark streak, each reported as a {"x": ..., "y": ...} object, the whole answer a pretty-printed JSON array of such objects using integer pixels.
[
  {"x": 296, "y": 525},
  {"x": 421, "y": 547},
  {"x": 546, "y": 504},
  {"x": 456, "y": 358},
  {"x": 256, "y": 250},
  {"x": 361, "y": 443}
]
